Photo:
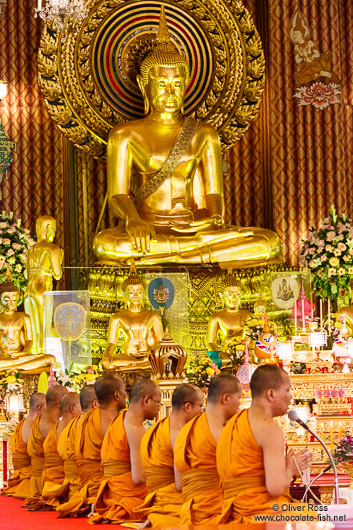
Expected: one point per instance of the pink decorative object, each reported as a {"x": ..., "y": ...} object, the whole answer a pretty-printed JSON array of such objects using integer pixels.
[
  {"x": 245, "y": 371},
  {"x": 52, "y": 381},
  {"x": 302, "y": 305},
  {"x": 319, "y": 95},
  {"x": 341, "y": 392},
  {"x": 334, "y": 393},
  {"x": 326, "y": 393},
  {"x": 318, "y": 393}
]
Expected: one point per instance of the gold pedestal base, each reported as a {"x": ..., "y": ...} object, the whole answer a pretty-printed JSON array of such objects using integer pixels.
[{"x": 205, "y": 283}]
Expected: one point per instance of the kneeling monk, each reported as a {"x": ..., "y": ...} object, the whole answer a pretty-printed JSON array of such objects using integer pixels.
[
  {"x": 195, "y": 453},
  {"x": 163, "y": 502},
  {"x": 66, "y": 444},
  {"x": 123, "y": 488},
  {"x": 111, "y": 397},
  {"x": 20, "y": 483},
  {"x": 54, "y": 474},
  {"x": 39, "y": 432},
  {"x": 254, "y": 472}
]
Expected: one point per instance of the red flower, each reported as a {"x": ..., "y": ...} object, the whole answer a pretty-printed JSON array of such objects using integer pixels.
[{"x": 319, "y": 95}]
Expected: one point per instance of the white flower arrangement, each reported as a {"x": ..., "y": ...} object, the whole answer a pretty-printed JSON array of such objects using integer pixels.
[
  {"x": 15, "y": 242},
  {"x": 328, "y": 252}
]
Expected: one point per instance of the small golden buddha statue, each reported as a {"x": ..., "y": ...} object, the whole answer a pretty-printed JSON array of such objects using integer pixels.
[
  {"x": 16, "y": 334},
  {"x": 347, "y": 311},
  {"x": 173, "y": 166},
  {"x": 229, "y": 323},
  {"x": 44, "y": 261},
  {"x": 141, "y": 328}
]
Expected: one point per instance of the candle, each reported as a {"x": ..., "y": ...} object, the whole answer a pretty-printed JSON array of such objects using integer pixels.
[
  {"x": 321, "y": 326},
  {"x": 311, "y": 306},
  {"x": 331, "y": 435},
  {"x": 295, "y": 318},
  {"x": 39, "y": 5},
  {"x": 340, "y": 430},
  {"x": 329, "y": 313},
  {"x": 303, "y": 313}
]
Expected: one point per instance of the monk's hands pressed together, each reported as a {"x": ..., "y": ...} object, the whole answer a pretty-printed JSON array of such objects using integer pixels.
[
  {"x": 140, "y": 233},
  {"x": 298, "y": 461}
]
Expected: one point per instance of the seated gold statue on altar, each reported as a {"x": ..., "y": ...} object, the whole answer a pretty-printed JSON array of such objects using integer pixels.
[
  {"x": 16, "y": 334},
  {"x": 229, "y": 323},
  {"x": 142, "y": 330},
  {"x": 173, "y": 166}
]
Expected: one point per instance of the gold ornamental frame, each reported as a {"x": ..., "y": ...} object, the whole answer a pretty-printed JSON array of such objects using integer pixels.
[{"x": 79, "y": 104}]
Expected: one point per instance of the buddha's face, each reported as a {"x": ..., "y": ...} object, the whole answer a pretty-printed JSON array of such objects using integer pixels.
[
  {"x": 232, "y": 297},
  {"x": 9, "y": 301},
  {"x": 51, "y": 229},
  {"x": 165, "y": 88},
  {"x": 133, "y": 294}
]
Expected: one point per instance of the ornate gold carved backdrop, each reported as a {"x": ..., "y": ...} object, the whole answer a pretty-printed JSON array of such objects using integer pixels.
[{"x": 34, "y": 183}]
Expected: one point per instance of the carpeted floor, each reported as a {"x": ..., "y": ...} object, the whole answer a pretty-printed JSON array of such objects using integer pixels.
[{"x": 13, "y": 517}]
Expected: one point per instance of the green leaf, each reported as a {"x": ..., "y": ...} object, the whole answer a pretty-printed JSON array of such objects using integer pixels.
[{"x": 333, "y": 215}]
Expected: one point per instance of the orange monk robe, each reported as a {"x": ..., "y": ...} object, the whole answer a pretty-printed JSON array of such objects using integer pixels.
[
  {"x": 36, "y": 452},
  {"x": 19, "y": 484},
  {"x": 118, "y": 496},
  {"x": 66, "y": 449},
  {"x": 88, "y": 443},
  {"x": 163, "y": 503},
  {"x": 195, "y": 458},
  {"x": 240, "y": 466},
  {"x": 53, "y": 474}
]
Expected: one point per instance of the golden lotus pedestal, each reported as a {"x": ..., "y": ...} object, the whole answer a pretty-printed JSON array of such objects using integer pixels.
[{"x": 205, "y": 283}]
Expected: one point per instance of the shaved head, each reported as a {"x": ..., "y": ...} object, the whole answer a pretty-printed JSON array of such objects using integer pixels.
[
  {"x": 106, "y": 386},
  {"x": 55, "y": 393},
  {"x": 142, "y": 388},
  {"x": 222, "y": 384},
  {"x": 266, "y": 377},
  {"x": 37, "y": 399},
  {"x": 185, "y": 393},
  {"x": 87, "y": 396},
  {"x": 66, "y": 402}
]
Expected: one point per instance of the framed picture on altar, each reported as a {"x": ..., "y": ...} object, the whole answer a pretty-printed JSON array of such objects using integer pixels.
[{"x": 287, "y": 287}]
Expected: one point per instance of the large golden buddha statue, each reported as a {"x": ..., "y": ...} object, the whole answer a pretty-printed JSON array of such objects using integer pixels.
[
  {"x": 173, "y": 167},
  {"x": 142, "y": 330},
  {"x": 44, "y": 261},
  {"x": 229, "y": 323},
  {"x": 16, "y": 334}
]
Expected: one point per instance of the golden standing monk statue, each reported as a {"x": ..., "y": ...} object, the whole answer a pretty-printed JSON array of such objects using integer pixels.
[
  {"x": 44, "y": 261},
  {"x": 229, "y": 322},
  {"x": 142, "y": 330},
  {"x": 16, "y": 334},
  {"x": 173, "y": 166}
]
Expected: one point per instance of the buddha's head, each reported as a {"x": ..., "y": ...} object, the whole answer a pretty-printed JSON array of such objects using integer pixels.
[
  {"x": 164, "y": 74},
  {"x": 132, "y": 288},
  {"x": 46, "y": 228},
  {"x": 8, "y": 297},
  {"x": 232, "y": 292}
]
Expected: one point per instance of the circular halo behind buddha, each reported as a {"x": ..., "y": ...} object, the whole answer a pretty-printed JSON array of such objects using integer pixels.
[{"x": 89, "y": 79}]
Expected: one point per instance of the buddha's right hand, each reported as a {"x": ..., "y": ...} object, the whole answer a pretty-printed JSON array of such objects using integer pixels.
[{"x": 140, "y": 233}]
